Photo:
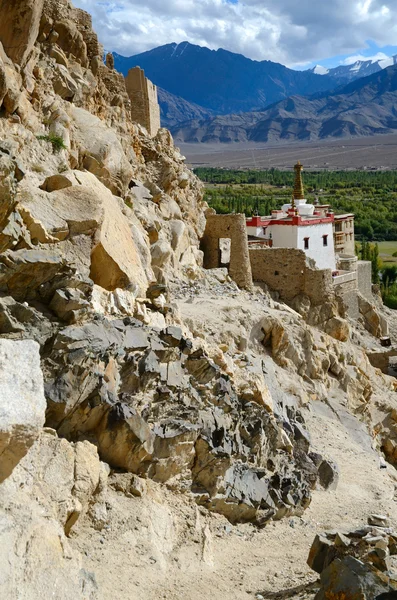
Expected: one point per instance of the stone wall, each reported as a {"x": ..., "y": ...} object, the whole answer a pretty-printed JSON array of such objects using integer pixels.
[
  {"x": 364, "y": 279},
  {"x": 230, "y": 227},
  {"x": 144, "y": 102},
  {"x": 286, "y": 271}
]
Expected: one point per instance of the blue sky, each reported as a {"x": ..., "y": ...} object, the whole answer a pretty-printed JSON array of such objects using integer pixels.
[{"x": 296, "y": 33}]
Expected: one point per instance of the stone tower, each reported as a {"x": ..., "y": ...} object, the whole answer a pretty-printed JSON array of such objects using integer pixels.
[{"x": 144, "y": 102}]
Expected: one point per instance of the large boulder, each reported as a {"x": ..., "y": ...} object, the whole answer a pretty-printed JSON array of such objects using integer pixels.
[
  {"x": 39, "y": 503},
  {"x": 100, "y": 151},
  {"x": 374, "y": 322},
  {"x": 22, "y": 401},
  {"x": 19, "y": 27},
  {"x": 77, "y": 205}
]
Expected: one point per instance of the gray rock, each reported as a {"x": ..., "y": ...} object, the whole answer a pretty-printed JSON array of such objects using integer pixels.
[
  {"x": 352, "y": 578},
  {"x": 328, "y": 473},
  {"x": 321, "y": 553},
  {"x": 379, "y": 521}
]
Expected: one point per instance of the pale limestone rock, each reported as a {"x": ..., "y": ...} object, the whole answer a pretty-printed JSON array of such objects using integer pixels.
[
  {"x": 53, "y": 484},
  {"x": 13, "y": 95},
  {"x": 119, "y": 254},
  {"x": 22, "y": 402},
  {"x": 19, "y": 27},
  {"x": 338, "y": 328},
  {"x": 115, "y": 259},
  {"x": 100, "y": 150},
  {"x": 161, "y": 252},
  {"x": 374, "y": 322},
  {"x": 58, "y": 55},
  {"x": 64, "y": 84},
  {"x": 55, "y": 216},
  {"x": 71, "y": 41},
  {"x": 58, "y": 182},
  {"x": 251, "y": 385}
]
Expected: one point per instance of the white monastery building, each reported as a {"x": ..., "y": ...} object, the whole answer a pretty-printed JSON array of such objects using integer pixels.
[{"x": 314, "y": 229}]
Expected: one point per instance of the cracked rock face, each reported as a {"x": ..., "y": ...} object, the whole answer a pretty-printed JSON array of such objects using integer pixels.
[{"x": 158, "y": 409}]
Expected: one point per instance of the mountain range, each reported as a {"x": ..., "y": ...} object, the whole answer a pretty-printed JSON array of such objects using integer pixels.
[
  {"x": 356, "y": 70},
  {"x": 366, "y": 106},
  {"x": 219, "y": 96},
  {"x": 217, "y": 80}
]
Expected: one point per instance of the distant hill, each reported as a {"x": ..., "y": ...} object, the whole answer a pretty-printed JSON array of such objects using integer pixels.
[
  {"x": 175, "y": 110},
  {"x": 364, "y": 107},
  {"x": 361, "y": 68},
  {"x": 218, "y": 80}
]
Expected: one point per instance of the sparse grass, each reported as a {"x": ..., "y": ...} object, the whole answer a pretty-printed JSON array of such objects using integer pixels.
[
  {"x": 38, "y": 168},
  {"x": 55, "y": 140}
]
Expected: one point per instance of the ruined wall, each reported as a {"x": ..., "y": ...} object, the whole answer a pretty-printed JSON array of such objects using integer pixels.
[
  {"x": 286, "y": 271},
  {"x": 318, "y": 285},
  {"x": 144, "y": 102},
  {"x": 230, "y": 227},
  {"x": 282, "y": 269},
  {"x": 364, "y": 279}
]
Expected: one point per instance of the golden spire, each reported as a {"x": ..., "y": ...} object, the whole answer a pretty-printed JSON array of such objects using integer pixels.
[
  {"x": 293, "y": 205},
  {"x": 298, "y": 185}
]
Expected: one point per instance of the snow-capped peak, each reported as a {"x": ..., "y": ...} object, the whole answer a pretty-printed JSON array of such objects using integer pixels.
[{"x": 319, "y": 70}]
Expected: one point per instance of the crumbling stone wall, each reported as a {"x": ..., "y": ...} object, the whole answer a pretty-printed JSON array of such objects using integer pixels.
[
  {"x": 231, "y": 227},
  {"x": 144, "y": 102},
  {"x": 286, "y": 271},
  {"x": 364, "y": 279}
]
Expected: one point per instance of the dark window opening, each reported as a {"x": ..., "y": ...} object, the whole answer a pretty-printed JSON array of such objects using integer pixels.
[
  {"x": 325, "y": 240},
  {"x": 306, "y": 243},
  {"x": 276, "y": 272}
]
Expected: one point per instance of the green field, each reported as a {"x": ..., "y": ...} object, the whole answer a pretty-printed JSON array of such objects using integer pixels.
[{"x": 386, "y": 249}]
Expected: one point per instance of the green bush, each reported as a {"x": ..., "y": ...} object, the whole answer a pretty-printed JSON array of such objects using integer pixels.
[
  {"x": 390, "y": 301},
  {"x": 55, "y": 140}
]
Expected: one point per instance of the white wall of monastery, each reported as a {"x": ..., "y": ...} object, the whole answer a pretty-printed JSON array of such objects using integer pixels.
[
  {"x": 323, "y": 255},
  {"x": 284, "y": 236}
]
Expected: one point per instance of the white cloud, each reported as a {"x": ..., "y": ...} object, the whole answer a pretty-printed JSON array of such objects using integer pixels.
[{"x": 284, "y": 31}]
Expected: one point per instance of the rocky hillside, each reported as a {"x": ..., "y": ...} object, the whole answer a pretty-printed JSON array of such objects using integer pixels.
[
  {"x": 157, "y": 423},
  {"x": 222, "y": 81},
  {"x": 363, "y": 107}
]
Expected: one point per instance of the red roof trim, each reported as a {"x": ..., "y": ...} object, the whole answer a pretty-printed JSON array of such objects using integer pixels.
[{"x": 299, "y": 221}]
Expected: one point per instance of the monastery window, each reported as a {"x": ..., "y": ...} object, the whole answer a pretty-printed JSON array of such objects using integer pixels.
[
  {"x": 325, "y": 240},
  {"x": 306, "y": 243}
]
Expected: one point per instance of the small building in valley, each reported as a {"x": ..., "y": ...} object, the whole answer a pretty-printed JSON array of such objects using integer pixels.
[
  {"x": 301, "y": 250},
  {"x": 299, "y": 225}
]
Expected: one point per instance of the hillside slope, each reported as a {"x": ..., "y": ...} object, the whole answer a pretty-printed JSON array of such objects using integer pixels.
[
  {"x": 362, "y": 107},
  {"x": 174, "y": 109}
]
